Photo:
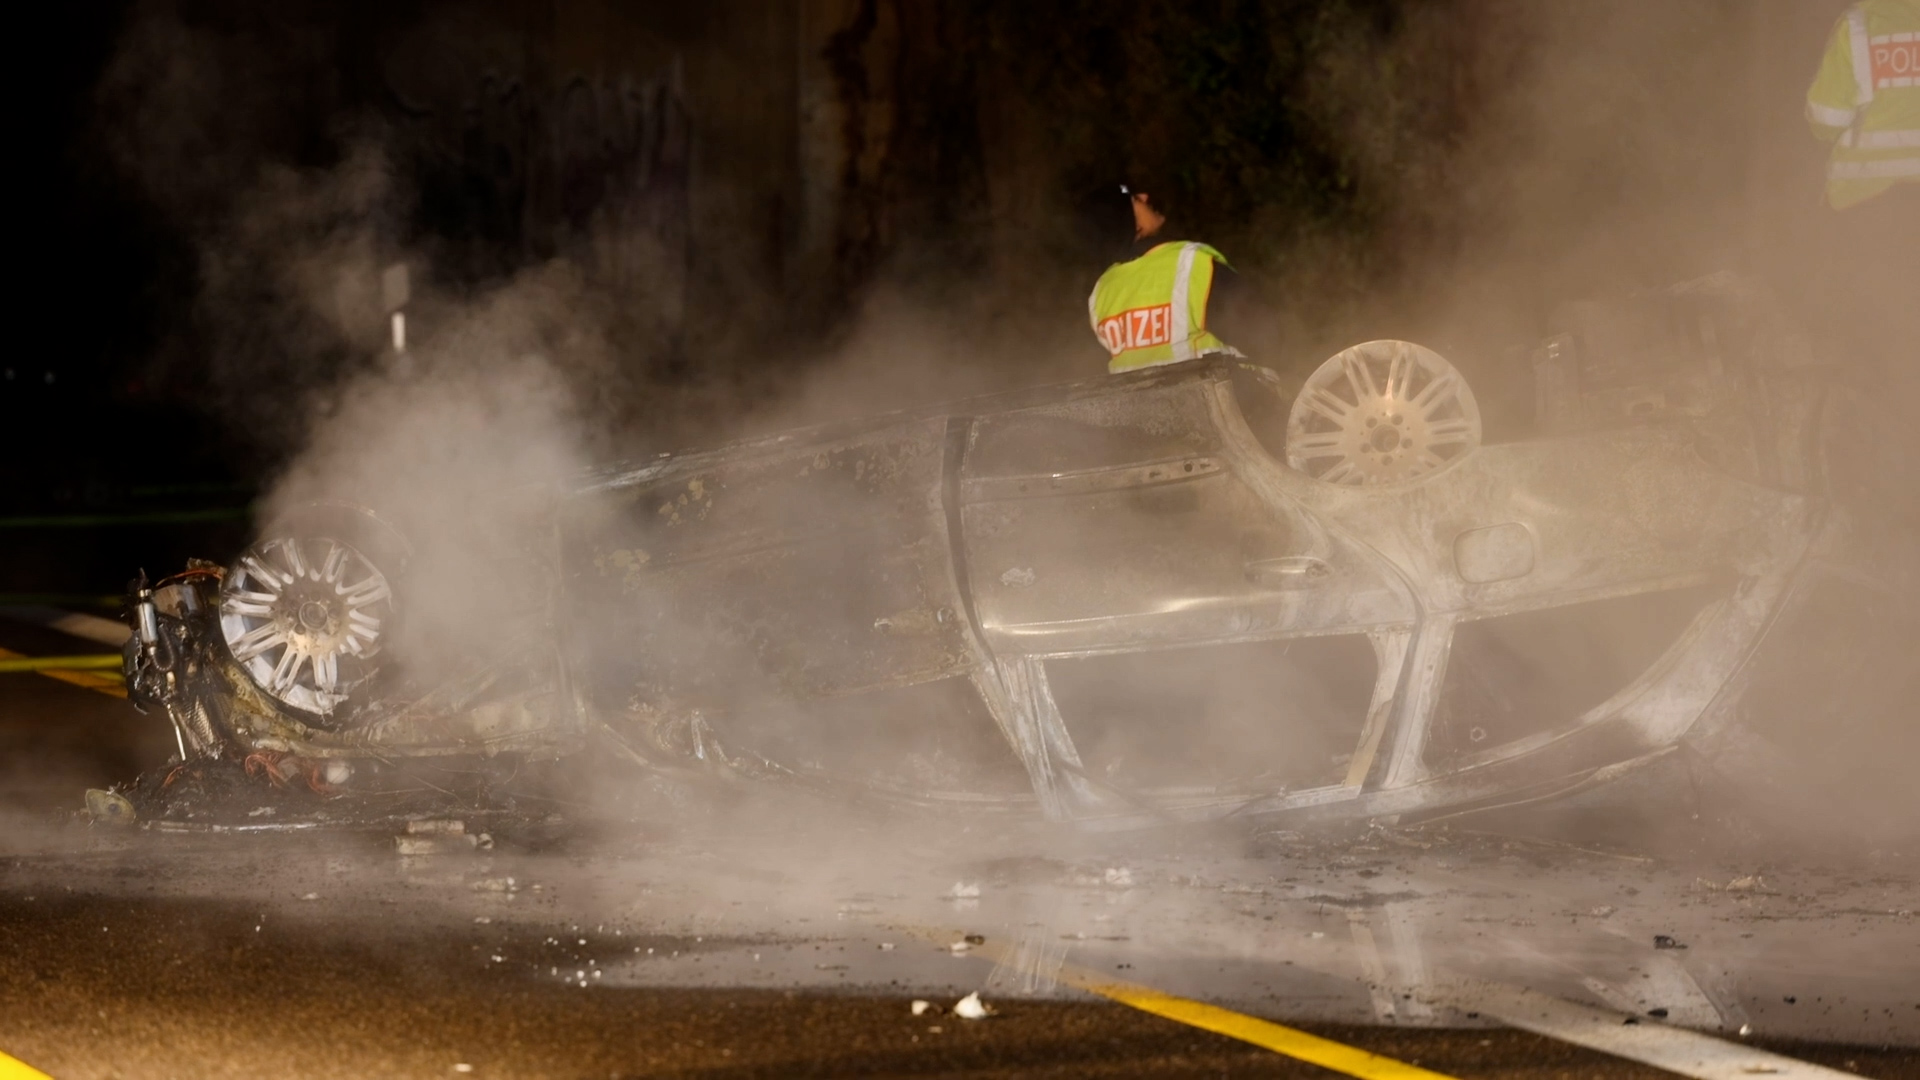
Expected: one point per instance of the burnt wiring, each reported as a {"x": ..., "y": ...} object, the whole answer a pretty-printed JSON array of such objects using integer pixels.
[{"x": 217, "y": 573}]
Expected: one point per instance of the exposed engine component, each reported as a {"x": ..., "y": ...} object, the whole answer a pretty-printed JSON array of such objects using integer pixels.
[
  {"x": 1379, "y": 412},
  {"x": 164, "y": 656},
  {"x": 304, "y": 617}
]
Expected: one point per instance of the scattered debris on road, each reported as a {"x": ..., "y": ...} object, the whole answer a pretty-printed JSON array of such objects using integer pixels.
[{"x": 109, "y": 808}]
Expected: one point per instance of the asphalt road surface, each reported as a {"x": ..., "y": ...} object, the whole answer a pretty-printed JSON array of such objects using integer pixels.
[{"x": 777, "y": 935}]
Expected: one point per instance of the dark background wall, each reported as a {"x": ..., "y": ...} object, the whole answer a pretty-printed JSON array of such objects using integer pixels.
[{"x": 760, "y": 206}]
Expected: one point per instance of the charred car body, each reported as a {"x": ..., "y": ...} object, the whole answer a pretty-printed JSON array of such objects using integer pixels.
[{"x": 1181, "y": 594}]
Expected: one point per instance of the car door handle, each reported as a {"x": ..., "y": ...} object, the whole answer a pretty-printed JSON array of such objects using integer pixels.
[{"x": 1287, "y": 572}]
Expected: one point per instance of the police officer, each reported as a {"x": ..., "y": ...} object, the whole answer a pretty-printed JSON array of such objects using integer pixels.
[
  {"x": 1866, "y": 100},
  {"x": 1858, "y": 279},
  {"x": 1861, "y": 274},
  {"x": 1153, "y": 309}
]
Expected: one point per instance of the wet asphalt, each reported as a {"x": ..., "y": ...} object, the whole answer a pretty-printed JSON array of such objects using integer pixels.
[
  {"x": 780, "y": 938},
  {"x": 98, "y": 986}
]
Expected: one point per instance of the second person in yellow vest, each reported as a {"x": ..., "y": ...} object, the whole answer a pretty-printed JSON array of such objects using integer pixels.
[{"x": 1865, "y": 100}]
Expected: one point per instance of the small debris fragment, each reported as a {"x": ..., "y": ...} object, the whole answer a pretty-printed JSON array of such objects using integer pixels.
[
  {"x": 1666, "y": 941},
  {"x": 434, "y": 843},
  {"x": 920, "y": 1007},
  {"x": 482, "y": 919},
  {"x": 1119, "y": 877},
  {"x": 109, "y": 808},
  {"x": 959, "y": 947},
  {"x": 437, "y": 827},
  {"x": 1018, "y": 578},
  {"x": 1602, "y": 911},
  {"x": 886, "y": 946},
  {"x": 498, "y": 884},
  {"x": 311, "y": 896},
  {"x": 1657, "y": 1014},
  {"x": 975, "y": 939},
  {"x": 462, "y": 1067},
  {"x": 972, "y": 1008},
  {"x": 964, "y": 890},
  {"x": 1746, "y": 1030}
]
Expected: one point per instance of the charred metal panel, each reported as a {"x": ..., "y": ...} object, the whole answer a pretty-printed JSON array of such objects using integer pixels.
[
  {"x": 1130, "y": 425},
  {"x": 1607, "y": 514},
  {"x": 1494, "y": 553},
  {"x": 1124, "y": 522},
  {"x": 1534, "y": 673},
  {"x": 1623, "y": 511},
  {"x": 1021, "y": 698},
  {"x": 795, "y": 571},
  {"x": 1220, "y": 719},
  {"x": 932, "y": 742}
]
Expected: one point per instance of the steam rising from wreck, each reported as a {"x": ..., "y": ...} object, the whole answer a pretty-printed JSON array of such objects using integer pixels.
[{"x": 625, "y": 281}]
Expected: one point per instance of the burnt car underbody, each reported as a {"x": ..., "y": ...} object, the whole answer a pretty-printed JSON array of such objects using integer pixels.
[{"x": 1185, "y": 594}]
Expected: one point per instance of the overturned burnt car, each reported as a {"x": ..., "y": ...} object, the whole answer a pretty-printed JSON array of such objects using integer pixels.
[{"x": 1184, "y": 594}]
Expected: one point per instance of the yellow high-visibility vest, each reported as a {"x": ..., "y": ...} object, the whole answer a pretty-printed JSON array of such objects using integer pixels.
[
  {"x": 1153, "y": 309},
  {"x": 1866, "y": 100}
]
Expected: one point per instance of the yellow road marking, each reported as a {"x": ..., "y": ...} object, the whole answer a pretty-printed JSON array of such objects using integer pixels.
[
  {"x": 1265, "y": 1034},
  {"x": 90, "y": 662},
  {"x": 106, "y": 682},
  {"x": 12, "y": 1068},
  {"x": 110, "y": 684},
  {"x": 1278, "y": 1038}
]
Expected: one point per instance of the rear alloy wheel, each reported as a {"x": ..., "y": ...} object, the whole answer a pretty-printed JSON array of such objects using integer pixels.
[
  {"x": 1382, "y": 412},
  {"x": 305, "y": 617}
]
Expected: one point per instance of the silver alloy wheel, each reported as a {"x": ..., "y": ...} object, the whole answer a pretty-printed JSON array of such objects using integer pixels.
[
  {"x": 1382, "y": 412},
  {"x": 304, "y": 617}
]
